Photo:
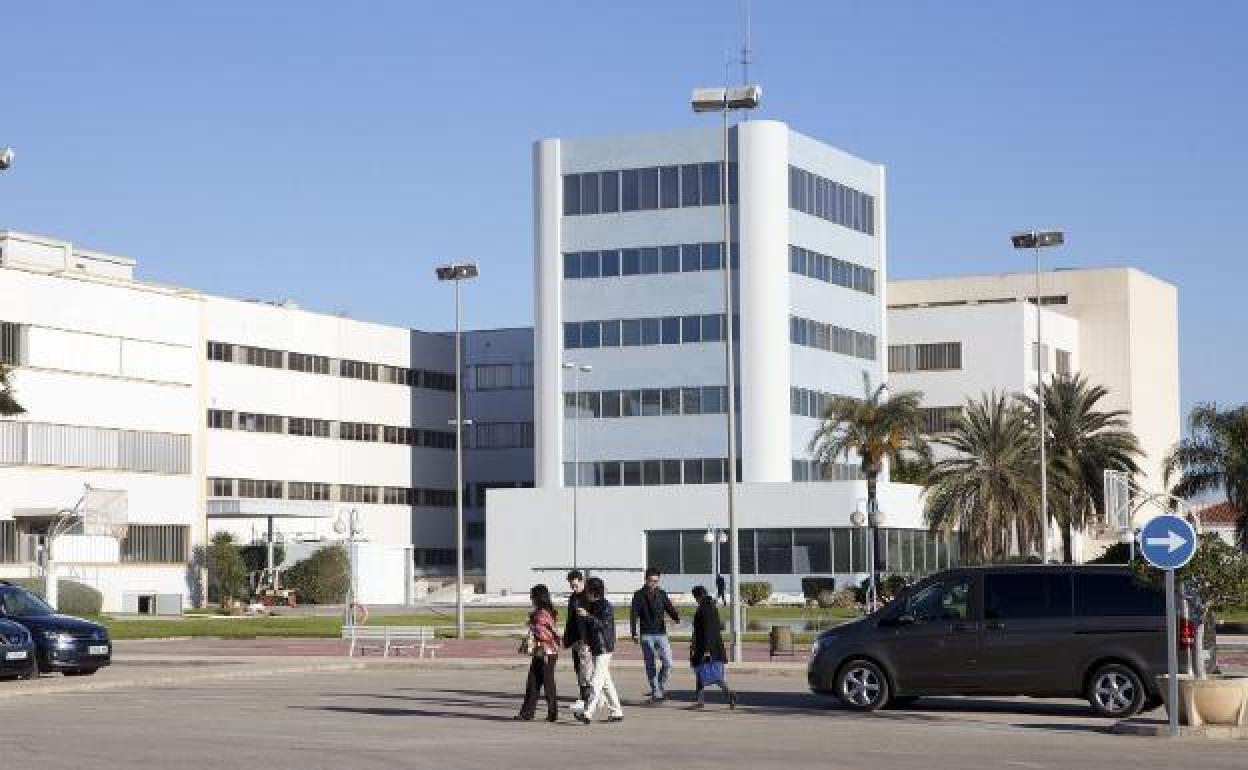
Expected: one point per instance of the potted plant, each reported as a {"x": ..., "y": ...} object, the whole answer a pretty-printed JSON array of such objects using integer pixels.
[{"x": 1216, "y": 579}]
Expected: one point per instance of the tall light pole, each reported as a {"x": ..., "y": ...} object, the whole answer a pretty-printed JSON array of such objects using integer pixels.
[
  {"x": 1036, "y": 240},
  {"x": 576, "y": 445},
  {"x": 458, "y": 273},
  {"x": 723, "y": 101}
]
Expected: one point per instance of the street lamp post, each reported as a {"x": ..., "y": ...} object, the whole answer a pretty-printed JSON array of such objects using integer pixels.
[
  {"x": 576, "y": 446},
  {"x": 714, "y": 537},
  {"x": 723, "y": 101},
  {"x": 1036, "y": 240},
  {"x": 458, "y": 273},
  {"x": 348, "y": 524}
]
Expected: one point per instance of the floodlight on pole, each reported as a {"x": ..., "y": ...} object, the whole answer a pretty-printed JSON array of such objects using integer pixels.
[
  {"x": 457, "y": 273},
  {"x": 1036, "y": 240},
  {"x": 723, "y": 101},
  {"x": 6, "y": 158}
]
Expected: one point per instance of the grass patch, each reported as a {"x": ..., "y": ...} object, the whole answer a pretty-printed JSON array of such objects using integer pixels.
[{"x": 290, "y": 626}]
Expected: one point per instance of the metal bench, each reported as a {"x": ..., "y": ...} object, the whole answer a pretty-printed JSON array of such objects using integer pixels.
[{"x": 396, "y": 638}]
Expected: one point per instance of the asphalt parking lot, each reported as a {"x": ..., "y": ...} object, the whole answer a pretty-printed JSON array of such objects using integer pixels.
[{"x": 440, "y": 718}]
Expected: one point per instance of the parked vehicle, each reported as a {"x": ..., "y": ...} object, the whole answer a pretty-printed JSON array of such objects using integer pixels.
[
  {"x": 73, "y": 646},
  {"x": 17, "y": 651},
  {"x": 1043, "y": 631}
]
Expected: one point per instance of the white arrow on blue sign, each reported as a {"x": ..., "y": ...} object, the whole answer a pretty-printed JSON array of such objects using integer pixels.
[{"x": 1168, "y": 542}]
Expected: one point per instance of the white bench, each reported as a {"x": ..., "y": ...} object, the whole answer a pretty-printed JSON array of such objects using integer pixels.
[{"x": 387, "y": 638}]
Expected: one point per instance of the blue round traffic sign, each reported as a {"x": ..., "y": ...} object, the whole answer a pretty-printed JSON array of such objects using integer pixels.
[{"x": 1168, "y": 542}]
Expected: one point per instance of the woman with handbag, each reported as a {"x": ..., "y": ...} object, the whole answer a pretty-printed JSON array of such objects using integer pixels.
[
  {"x": 706, "y": 651},
  {"x": 542, "y": 645}
]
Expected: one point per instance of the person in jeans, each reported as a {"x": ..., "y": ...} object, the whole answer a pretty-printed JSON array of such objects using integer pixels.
[
  {"x": 575, "y": 637},
  {"x": 599, "y": 618},
  {"x": 545, "y": 654},
  {"x": 707, "y": 646},
  {"x": 650, "y": 604}
]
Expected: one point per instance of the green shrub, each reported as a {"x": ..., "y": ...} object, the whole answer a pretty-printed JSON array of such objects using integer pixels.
[
  {"x": 256, "y": 557},
  {"x": 73, "y": 598},
  {"x": 322, "y": 578},
  {"x": 227, "y": 573},
  {"x": 754, "y": 593},
  {"x": 813, "y": 586},
  {"x": 842, "y": 600}
]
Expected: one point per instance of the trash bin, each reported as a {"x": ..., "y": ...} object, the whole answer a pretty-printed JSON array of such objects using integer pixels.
[{"x": 781, "y": 641}]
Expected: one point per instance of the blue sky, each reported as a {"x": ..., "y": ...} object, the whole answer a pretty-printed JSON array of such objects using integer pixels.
[{"x": 335, "y": 152}]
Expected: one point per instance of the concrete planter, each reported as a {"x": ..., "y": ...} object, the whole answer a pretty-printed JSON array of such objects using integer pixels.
[{"x": 1214, "y": 701}]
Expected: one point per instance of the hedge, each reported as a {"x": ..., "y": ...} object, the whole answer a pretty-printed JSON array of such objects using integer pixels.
[
  {"x": 322, "y": 578},
  {"x": 73, "y": 598},
  {"x": 754, "y": 593}
]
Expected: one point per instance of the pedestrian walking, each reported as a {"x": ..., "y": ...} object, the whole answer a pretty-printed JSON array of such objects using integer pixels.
[
  {"x": 542, "y": 644},
  {"x": 575, "y": 637},
  {"x": 650, "y": 605},
  {"x": 720, "y": 591},
  {"x": 599, "y": 618},
  {"x": 707, "y": 655}
]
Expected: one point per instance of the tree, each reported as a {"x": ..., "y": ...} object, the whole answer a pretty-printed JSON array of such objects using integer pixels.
[
  {"x": 988, "y": 489},
  {"x": 1214, "y": 459},
  {"x": 322, "y": 578},
  {"x": 1083, "y": 443},
  {"x": 876, "y": 428},
  {"x": 9, "y": 407},
  {"x": 227, "y": 573}
]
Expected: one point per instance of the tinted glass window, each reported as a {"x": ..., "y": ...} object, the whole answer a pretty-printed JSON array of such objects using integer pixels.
[
  {"x": 650, "y": 401},
  {"x": 630, "y": 190},
  {"x": 669, "y": 187},
  {"x": 941, "y": 601},
  {"x": 630, "y": 406},
  {"x": 649, "y": 188},
  {"x": 590, "y": 334},
  {"x": 611, "y": 403},
  {"x": 610, "y": 261},
  {"x": 712, "y": 256},
  {"x": 632, "y": 473},
  {"x": 630, "y": 260},
  {"x": 630, "y": 332},
  {"x": 571, "y": 335},
  {"x": 693, "y": 471},
  {"x": 689, "y": 176},
  {"x": 671, "y": 471},
  {"x": 663, "y": 551},
  {"x": 712, "y": 328},
  {"x": 691, "y": 257},
  {"x": 775, "y": 551},
  {"x": 18, "y": 602},
  {"x": 572, "y": 265},
  {"x": 691, "y": 401},
  {"x": 671, "y": 331},
  {"x": 610, "y": 474},
  {"x": 1115, "y": 594},
  {"x": 589, "y": 193},
  {"x": 649, "y": 261},
  {"x": 671, "y": 401},
  {"x": 671, "y": 259},
  {"x": 589, "y": 264},
  {"x": 1026, "y": 595},
  {"x": 691, "y": 328},
  {"x": 812, "y": 551},
  {"x": 710, "y": 184},
  {"x": 571, "y": 194},
  {"x": 696, "y": 552},
  {"x": 649, "y": 331},
  {"x": 610, "y": 334},
  {"x": 610, "y": 191},
  {"x": 651, "y": 474}
]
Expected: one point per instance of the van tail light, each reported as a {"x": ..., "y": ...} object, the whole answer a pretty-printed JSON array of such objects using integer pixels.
[{"x": 1187, "y": 634}]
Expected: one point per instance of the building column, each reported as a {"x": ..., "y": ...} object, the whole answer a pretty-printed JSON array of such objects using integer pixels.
[
  {"x": 547, "y": 314},
  {"x": 763, "y": 286}
]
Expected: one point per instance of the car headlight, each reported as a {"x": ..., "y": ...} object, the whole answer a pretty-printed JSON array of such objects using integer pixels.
[
  {"x": 820, "y": 643},
  {"x": 59, "y": 638}
]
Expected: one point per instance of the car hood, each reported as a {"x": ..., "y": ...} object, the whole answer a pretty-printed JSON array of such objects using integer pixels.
[
  {"x": 847, "y": 629},
  {"x": 66, "y": 623}
]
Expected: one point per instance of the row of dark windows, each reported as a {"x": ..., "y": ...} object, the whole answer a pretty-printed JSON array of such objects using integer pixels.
[
  {"x": 647, "y": 189},
  {"x": 832, "y": 201},
  {"x": 669, "y": 330},
  {"x": 648, "y": 473},
  {"x": 940, "y": 419},
  {"x": 925, "y": 357},
  {"x": 314, "y": 364},
  {"x": 225, "y": 419},
  {"x": 821, "y": 267},
  {"x": 269, "y": 489},
  {"x": 647, "y": 402},
  {"x": 804, "y": 402},
  {"x": 803, "y": 551},
  {"x": 649, "y": 260},
  {"x": 810, "y": 470},
  {"x": 816, "y": 334}
]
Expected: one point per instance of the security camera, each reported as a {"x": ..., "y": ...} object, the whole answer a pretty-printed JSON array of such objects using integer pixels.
[{"x": 6, "y": 158}]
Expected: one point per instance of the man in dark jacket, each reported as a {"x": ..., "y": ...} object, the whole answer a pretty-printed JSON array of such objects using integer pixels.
[
  {"x": 707, "y": 647},
  {"x": 650, "y": 604},
  {"x": 599, "y": 617},
  {"x": 575, "y": 636}
]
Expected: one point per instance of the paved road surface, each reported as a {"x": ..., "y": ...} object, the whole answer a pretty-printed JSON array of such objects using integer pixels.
[{"x": 406, "y": 718}]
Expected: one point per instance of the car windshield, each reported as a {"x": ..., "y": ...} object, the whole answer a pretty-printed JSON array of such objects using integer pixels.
[{"x": 22, "y": 603}]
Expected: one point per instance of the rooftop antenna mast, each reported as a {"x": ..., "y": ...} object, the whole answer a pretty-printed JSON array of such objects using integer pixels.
[{"x": 746, "y": 51}]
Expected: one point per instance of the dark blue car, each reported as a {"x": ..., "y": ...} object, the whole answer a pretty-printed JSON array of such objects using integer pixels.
[
  {"x": 17, "y": 651},
  {"x": 73, "y": 646}
]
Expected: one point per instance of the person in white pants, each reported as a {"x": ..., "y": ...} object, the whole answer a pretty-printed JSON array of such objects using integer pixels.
[{"x": 599, "y": 619}]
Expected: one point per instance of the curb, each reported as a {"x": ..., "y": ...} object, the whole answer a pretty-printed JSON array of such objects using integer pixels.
[{"x": 1155, "y": 729}]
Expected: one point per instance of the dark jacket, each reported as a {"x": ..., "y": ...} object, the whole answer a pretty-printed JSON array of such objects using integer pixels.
[
  {"x": 574, "y": 628},
  {"x": 648, "y": 608},
  {"x": 706, "y": 635},
  {"x": 600, "y": 625}
]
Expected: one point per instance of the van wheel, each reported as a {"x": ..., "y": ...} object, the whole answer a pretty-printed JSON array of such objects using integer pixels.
[
  {"x": 1115, "y": 691},
  {"x": 862, "y": 686}
]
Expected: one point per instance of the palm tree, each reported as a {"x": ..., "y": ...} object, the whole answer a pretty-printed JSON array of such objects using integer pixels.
[
  {"x": 1084, "y": 442},
  {"x": 877, "y": 428},
  {"x": 8, "y": 402},
  {"x": 988, "y": 489},
  {"x": 1214, "y": 458}
]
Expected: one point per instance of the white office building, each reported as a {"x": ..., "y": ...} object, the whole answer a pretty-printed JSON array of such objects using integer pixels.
[
  {"x": 629, "y": 272},
  {"x": 258, "y": 418}
]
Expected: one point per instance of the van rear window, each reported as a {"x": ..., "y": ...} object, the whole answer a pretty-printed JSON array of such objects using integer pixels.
[{"x": 1115, "y": 594}]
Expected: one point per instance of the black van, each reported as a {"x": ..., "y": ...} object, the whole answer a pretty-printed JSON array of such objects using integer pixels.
[{"x": 1042, "y": 631}]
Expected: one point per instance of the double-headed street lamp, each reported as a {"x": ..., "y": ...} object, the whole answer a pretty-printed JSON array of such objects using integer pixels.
[
  {"x": 723, "y": 101},
  {"x": 1036, "y": 240},
  {"x": 576, "y": 444},
  {"x": 458, "y": 273}
]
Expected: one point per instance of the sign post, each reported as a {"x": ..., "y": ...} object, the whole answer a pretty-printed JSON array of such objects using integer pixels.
[{"x": 1168, "y": 543}]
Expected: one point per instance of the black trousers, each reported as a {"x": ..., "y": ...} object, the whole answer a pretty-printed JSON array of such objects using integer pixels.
[{"x": 541, "y": 676}]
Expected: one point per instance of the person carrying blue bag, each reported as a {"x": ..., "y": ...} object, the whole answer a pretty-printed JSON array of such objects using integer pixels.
[{"x": 706, "y": 651}]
